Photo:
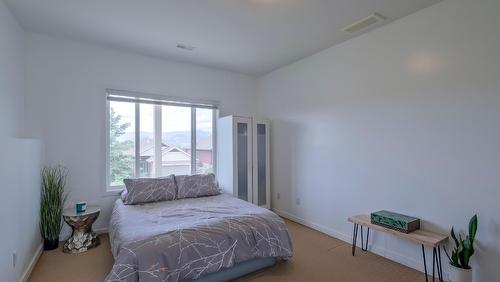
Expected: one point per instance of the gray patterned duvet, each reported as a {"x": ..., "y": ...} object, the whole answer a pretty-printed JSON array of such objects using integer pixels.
[{"x": 188, "y": 238}]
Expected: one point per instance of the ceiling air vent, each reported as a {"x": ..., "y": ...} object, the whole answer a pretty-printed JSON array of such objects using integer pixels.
[
  {"x": 364, "y": 23},
  {"x": 185, "y": 47}
]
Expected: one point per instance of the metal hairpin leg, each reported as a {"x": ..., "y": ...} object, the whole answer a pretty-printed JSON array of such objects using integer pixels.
[
  {"x": 425, "y": 264},
  {"x": 365, "y": 248},
  {"x": 433, "y": 262},
  {"x": 354, "y": 238},
  {"x": 364, "y": 244},
  {"x": 440, "y": 266},
  {"x": 436, "y": 262}
]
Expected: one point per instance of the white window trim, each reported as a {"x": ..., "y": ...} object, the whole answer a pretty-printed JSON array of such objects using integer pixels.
[
  {"x": 134, "y": 96},
  {"x": 157, "y": 100},
  {"x": 193, "y": 140},
  {"x": 157, "y": 126},
  {"x": 108, "y": 191}
]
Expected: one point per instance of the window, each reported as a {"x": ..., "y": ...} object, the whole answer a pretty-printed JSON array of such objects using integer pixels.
[{"x": 154, "y": 136}]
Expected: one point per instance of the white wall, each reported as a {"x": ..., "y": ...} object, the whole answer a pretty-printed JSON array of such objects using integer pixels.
[
  {"x": 65, "y": 102},
  {"x": 404, "y": 118},
  {"x": 11, "y": 74},
  {"x": 20, "y": 159},
  {"x": 19, "y": 205}
]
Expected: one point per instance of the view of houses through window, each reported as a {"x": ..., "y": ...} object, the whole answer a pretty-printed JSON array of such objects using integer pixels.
[{"x": 164, "y": 135}]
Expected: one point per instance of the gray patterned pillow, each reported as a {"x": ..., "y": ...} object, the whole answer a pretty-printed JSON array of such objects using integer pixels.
[
  {"x": 123, "y": 195},
  {"x": 193, "y": 186},
  {"x": 146, "y": 190}
]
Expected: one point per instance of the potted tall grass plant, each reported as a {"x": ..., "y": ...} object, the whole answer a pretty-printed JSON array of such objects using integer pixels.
[
  {"x": 51, "y": 205},
  {"x": 460, "y": 270}
]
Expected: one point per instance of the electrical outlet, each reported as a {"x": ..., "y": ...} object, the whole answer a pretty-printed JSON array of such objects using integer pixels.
[
  {"x": 297, "y": 201},
  {"x": 14, "y": 259},
  {"x": 278, "y": 196}
]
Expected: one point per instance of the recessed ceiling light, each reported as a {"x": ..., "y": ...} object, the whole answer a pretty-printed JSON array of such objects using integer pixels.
[
  {"x": 185, "y": 47},
  {"x": 364, "y": 23}
]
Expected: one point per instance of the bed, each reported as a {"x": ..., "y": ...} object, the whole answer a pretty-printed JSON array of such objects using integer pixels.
[{"x": 214, "y": 238}]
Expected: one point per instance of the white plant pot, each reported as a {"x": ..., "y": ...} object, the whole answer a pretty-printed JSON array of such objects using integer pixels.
[{"x": 460, "y": 274}]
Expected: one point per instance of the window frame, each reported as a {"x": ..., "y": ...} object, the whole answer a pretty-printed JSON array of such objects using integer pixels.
[{"x": 158, "y": 100}]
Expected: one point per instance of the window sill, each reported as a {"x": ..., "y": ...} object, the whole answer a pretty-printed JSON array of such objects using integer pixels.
[{"x": 113, "y": 192}]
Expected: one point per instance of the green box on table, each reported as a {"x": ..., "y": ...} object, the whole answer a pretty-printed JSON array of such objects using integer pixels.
[{"x": 396, "y": 221}]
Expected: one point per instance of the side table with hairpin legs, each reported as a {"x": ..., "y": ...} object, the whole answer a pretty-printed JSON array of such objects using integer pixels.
[{"x": 422, "y": 237}]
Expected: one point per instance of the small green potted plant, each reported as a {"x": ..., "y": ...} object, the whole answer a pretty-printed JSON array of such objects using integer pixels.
[
  {"x": 460, "y": 270},
  {"x": 52, "y": 200}
]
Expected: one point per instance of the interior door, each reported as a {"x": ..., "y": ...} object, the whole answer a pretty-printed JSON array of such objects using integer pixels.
[
  {"x": 261, "y": 171},
  {"x": 243, "y": 160}
]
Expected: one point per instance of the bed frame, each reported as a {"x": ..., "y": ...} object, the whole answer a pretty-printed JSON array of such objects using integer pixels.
[{"x": 238, "y": 270}]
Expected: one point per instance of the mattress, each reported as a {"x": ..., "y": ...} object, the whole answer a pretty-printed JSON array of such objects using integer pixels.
[{"x": 189, "y": 238}]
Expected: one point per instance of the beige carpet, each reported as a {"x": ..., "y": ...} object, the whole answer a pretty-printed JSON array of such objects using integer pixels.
[{"x": 317, "y": 257}]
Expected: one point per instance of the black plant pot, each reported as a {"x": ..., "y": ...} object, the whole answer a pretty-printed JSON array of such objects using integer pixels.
[{"x": 50, "y": 244}]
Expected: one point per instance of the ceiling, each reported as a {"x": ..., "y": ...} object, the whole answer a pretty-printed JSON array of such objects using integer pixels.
[{"x": 247, "y": 36}]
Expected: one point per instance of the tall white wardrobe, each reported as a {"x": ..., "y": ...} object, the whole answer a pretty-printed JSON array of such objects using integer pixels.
[{"x": 243, "y": 158}]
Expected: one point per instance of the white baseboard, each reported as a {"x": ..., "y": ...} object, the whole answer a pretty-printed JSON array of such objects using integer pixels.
[
  {"x": 389, "y": 254},
  {"x": 27, "y": 272},
  {"x": 100, "y": 231}
]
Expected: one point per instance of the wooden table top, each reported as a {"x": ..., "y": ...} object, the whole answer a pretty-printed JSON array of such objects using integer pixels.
[{"x": 426, "y": 238}]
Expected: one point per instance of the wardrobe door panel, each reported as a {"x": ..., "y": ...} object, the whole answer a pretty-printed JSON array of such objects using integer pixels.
[
  {"x": 243, "y": 168},
  {"x": 261, "y": 164}
]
